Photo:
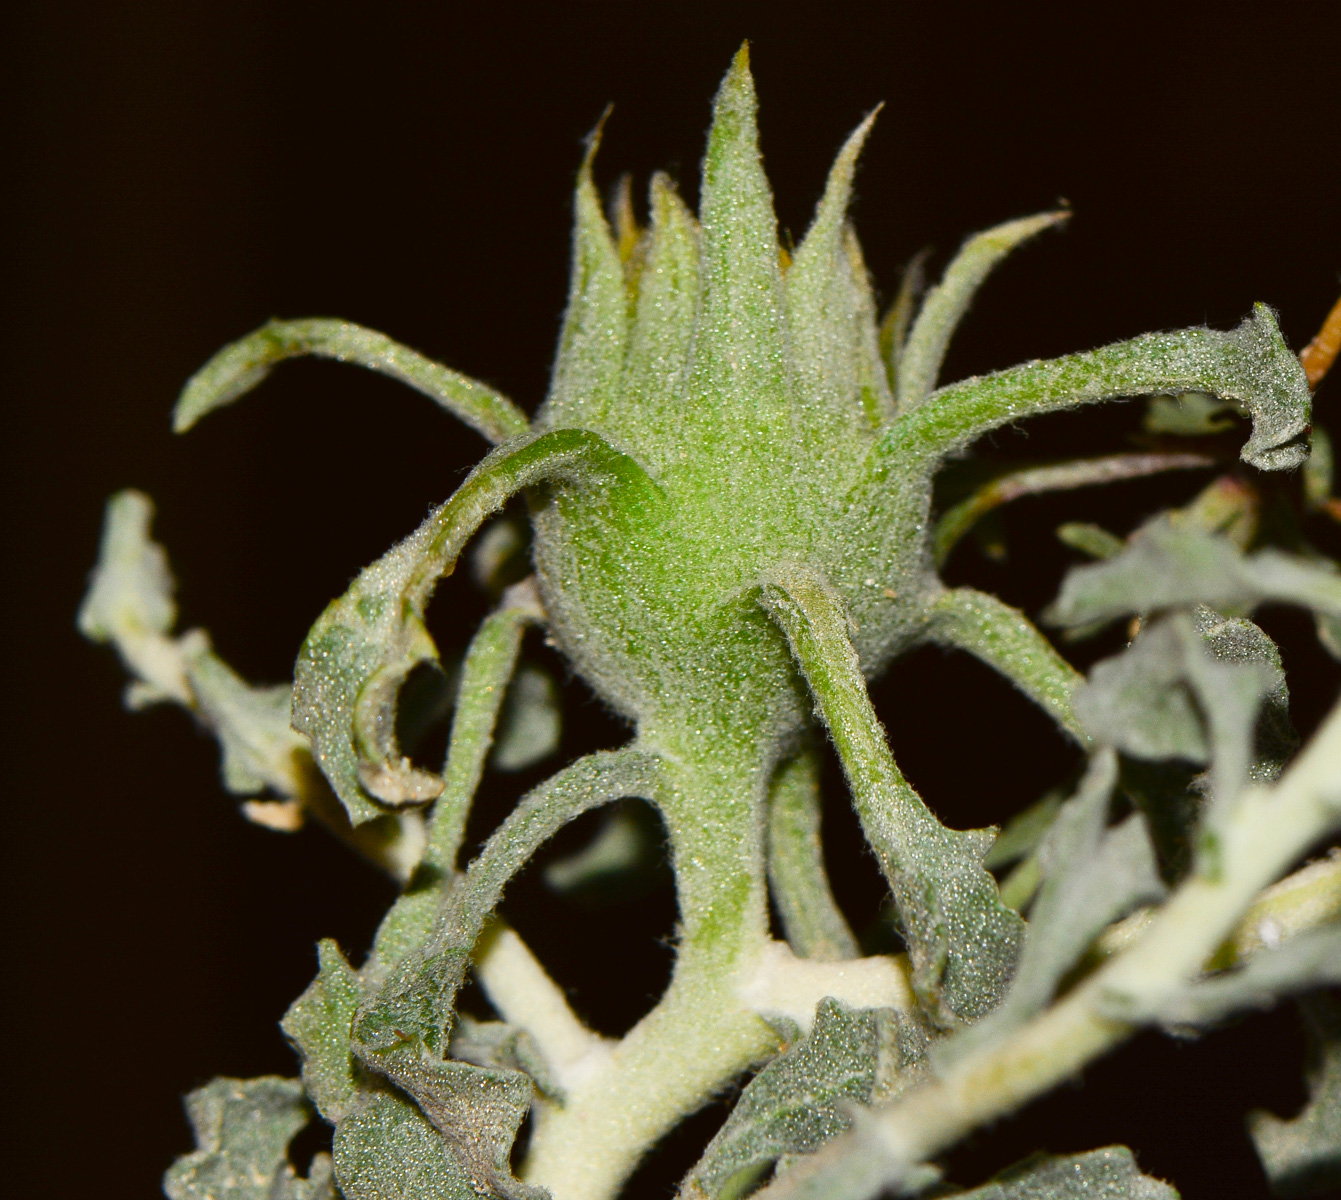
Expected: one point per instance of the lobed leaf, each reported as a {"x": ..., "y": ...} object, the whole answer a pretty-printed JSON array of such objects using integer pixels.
[
  {"x": 1302, "y": 1156},
  {"x": 1170, "y": 564},
  {"x": 1091, "y": 877},
  {"x": 243, "y": 364},
  {"x": 318, "y": 1024},
  {"x": 962, "y": 940},
  {"x": 243, "y": 1128},
  {"x": 1107, "y": 1174},
  {"x": 805, "y": 1096},
  {"x": 366, "y": 643},
  {"x": 946, "y": 303},
  {"x": 387, "y": 1150}
]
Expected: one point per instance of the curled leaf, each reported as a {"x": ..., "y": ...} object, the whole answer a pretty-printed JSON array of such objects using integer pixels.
[
  {"x": 366, "y": 643},
  {"x": 243, "y": 364}
]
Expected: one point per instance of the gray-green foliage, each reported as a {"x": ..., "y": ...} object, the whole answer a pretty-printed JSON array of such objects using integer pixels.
[
  {"x": 243, "y": 1128},
  {"x": 730, "y": 487}
]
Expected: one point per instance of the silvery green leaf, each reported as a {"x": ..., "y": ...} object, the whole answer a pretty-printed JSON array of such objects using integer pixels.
[
  {"x": 317, "y": 1024},
  {"x": 1107, "y": 1174},
  {"x": 387, "y": 1150},
  {"x": 243, "y": 1128},
  {"x": 500, "y": 1046},
  {"x": 130, "y": 603},
  {"x": 1302, "y": 1156},
  {"x": 240, "y": 366},
  {"x": 477, "y": 1110},
  {"x": 1191, "y": 414},
  {"x": 946, "y": 303},
  {"x": 805, "y": 1096},
  {"x": 530, "y": 724},
  {"x": 1191, "y": 688},
  {"x": 363, "y": 647},
  {"x": 1091, "y": 876},
  {"x": 1173, "y": 564},
  {"x": 260, "y": 748},
  {"x": 1311, "y": 959}
]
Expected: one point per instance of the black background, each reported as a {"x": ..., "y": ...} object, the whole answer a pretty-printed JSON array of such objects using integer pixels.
[{"x": 185, "y": 171}]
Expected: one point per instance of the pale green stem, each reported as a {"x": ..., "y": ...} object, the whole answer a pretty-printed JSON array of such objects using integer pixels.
[
  {"x": 811, "y": 920},
  {"x": 1269, "y": 830},
  {"x": 701, "y": 1034},
  {"x": 241, "y": 365},
  {"x": 1006, "y": 640},
  {"x": 1057, "y": 477},
  {"x": 489, "y": 664}
]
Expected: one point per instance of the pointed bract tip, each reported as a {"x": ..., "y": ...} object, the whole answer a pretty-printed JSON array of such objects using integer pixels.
[
  {"x": 741, "y": 61},
  {"x": 738, "y": 82},
  {"x": 592, "y": 142}
]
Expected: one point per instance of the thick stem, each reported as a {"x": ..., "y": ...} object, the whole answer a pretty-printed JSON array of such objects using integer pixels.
[{"x": 701, "y": 1034}]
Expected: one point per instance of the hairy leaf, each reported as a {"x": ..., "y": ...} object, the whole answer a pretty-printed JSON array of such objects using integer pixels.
[
  {"x": 896, "y": 323},
  {"x": 1091, "y": 877},
  {"x": 946, "y": 303},
  {"x": 1302, "y": 1156},
  {"x": 805, "y": 1096},
  {"x": 243, "y": 1128},
  {"x": 1024, "y": 831},
  {"x": 1107, "y": 1174},
  {"x": 318, "y": 1024},
  {"x": 240, "y": 366},
  {"x": 962, "y": 940},
  {"x": 366, "y": 643},
  {"x": 387, "y": 1150}
]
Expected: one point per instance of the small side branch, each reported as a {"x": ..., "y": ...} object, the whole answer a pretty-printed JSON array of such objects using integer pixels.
[
  {"x": 811, "y": 920},
  {"x": 490, "y": 662}
]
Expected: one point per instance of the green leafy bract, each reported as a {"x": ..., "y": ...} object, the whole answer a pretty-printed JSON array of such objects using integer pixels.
[
  {"x": 243, "y": 1128},
  {"x": 387, "y": 1150},
  {"x": 961, "y": 938},
  {"x": 365, "y": 644},
  {"x": 239, "y": 367}
]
